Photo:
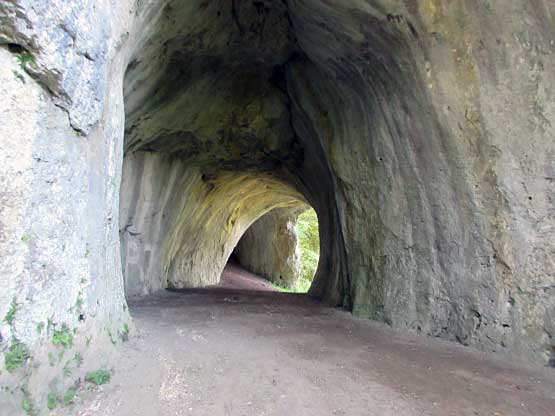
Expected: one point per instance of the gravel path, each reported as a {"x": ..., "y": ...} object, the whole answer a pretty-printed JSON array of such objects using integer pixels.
[{"x": 233, "y": 352}]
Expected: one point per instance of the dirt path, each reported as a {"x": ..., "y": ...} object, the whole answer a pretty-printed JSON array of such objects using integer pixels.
[
  {"x": 235, "y": 277},
  {"x": 230, "y": 352}
]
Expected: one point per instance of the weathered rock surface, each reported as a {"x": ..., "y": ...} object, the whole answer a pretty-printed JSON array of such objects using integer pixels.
[
  {"x": 179, "y": 226},
  {"x": 447, "y": 108},
  {"x": 269, "y": 247},
  {"x": 62, "y": 304},
  {"x": 421, "y": 132}
]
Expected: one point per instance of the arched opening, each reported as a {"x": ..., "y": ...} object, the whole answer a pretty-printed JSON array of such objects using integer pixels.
[
  {"x": 253, "y": 106},
  {"x": 283, "y": 247},
  {"x": 210, "y": 147},
  {"x": 181, "y": 225}
]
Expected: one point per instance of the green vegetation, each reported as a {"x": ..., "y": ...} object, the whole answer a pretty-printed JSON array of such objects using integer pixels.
[
  {"x": 69, "y": 397},
  {"x": 67, "y": 369},
  {"x": 285, "y": 289},
  {"x": 98, "y": 377},
  {"x": 10, "y": 316},
  {"x": 26, "y": 58},
  {"x": 78, "y": 358},
  {"x": 52, "y": 400},
  {"x": 27, "y": 403},
  {"x": 125, "y": 333},
  {"x": 40, "y": 327},
  {"x": 25, "y": 238},
  {"x": 16, "y": 356},
  {"x": 309, "y": 248},
  {"x": 27, "y": 406},
  {"x": 302, "y": 286},
  {"x": 309, "y": 252},
  {"x": 63, "y": 337}
]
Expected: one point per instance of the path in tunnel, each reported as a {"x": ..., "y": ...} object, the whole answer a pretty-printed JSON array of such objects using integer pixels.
[
  {"x": 235, "y": 277},
  {"x": 230, "y": 351}
]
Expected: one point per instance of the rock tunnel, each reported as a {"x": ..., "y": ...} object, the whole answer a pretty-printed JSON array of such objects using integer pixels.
[
  {"x": 420, "y": 132},
  {"x": 251, "y": 106},
  {"x": 210, "y": 143}
]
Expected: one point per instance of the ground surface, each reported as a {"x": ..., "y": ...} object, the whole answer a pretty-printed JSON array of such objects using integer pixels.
[
  {"x": 235, "y": 277},
  {"x": 235, "y": 352}
]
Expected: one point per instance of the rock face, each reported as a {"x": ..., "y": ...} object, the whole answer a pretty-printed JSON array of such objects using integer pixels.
[
  {"x": 449, "y": 230},
  {"x": 269, "y": 247},
  {"x": 62, "y": 305},
  {"x": 421, "y": 132}
]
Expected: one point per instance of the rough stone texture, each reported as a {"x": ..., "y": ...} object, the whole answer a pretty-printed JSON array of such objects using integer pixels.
[
  {"x": 421, "y": 132},
  {"x": 269, "y": 247},
  {"x": 60, "y": 155},
  {"x": 447, "y": 108}
]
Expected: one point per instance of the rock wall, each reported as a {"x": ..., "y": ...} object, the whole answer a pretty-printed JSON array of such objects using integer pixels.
[
  {"x": 269, "y": 247},
  {"x": 61, "y": 116},
  {"x": 153, "y": 194},
  {"x": 432, "y": 115}
]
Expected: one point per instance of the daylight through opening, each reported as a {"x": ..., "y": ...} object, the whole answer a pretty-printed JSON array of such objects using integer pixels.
[{"x": 282, "y": 247}]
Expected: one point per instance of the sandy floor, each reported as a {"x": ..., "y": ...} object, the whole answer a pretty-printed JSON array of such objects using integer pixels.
[{"x": 231, "y": 352}]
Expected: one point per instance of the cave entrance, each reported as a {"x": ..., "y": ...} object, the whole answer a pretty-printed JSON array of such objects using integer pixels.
[
  {"x": 218, "y": 133},
  {"x": 283, "y": 247}
]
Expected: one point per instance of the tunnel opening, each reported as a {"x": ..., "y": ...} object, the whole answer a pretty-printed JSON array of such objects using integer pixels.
[
  {"x": 182, "y": 225},
  {"x": 246, "y": 109},
  {"x": 283, "y": 247},
  {"x": 328, "y": 105},
  {"x": 210, "y": 145}
]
